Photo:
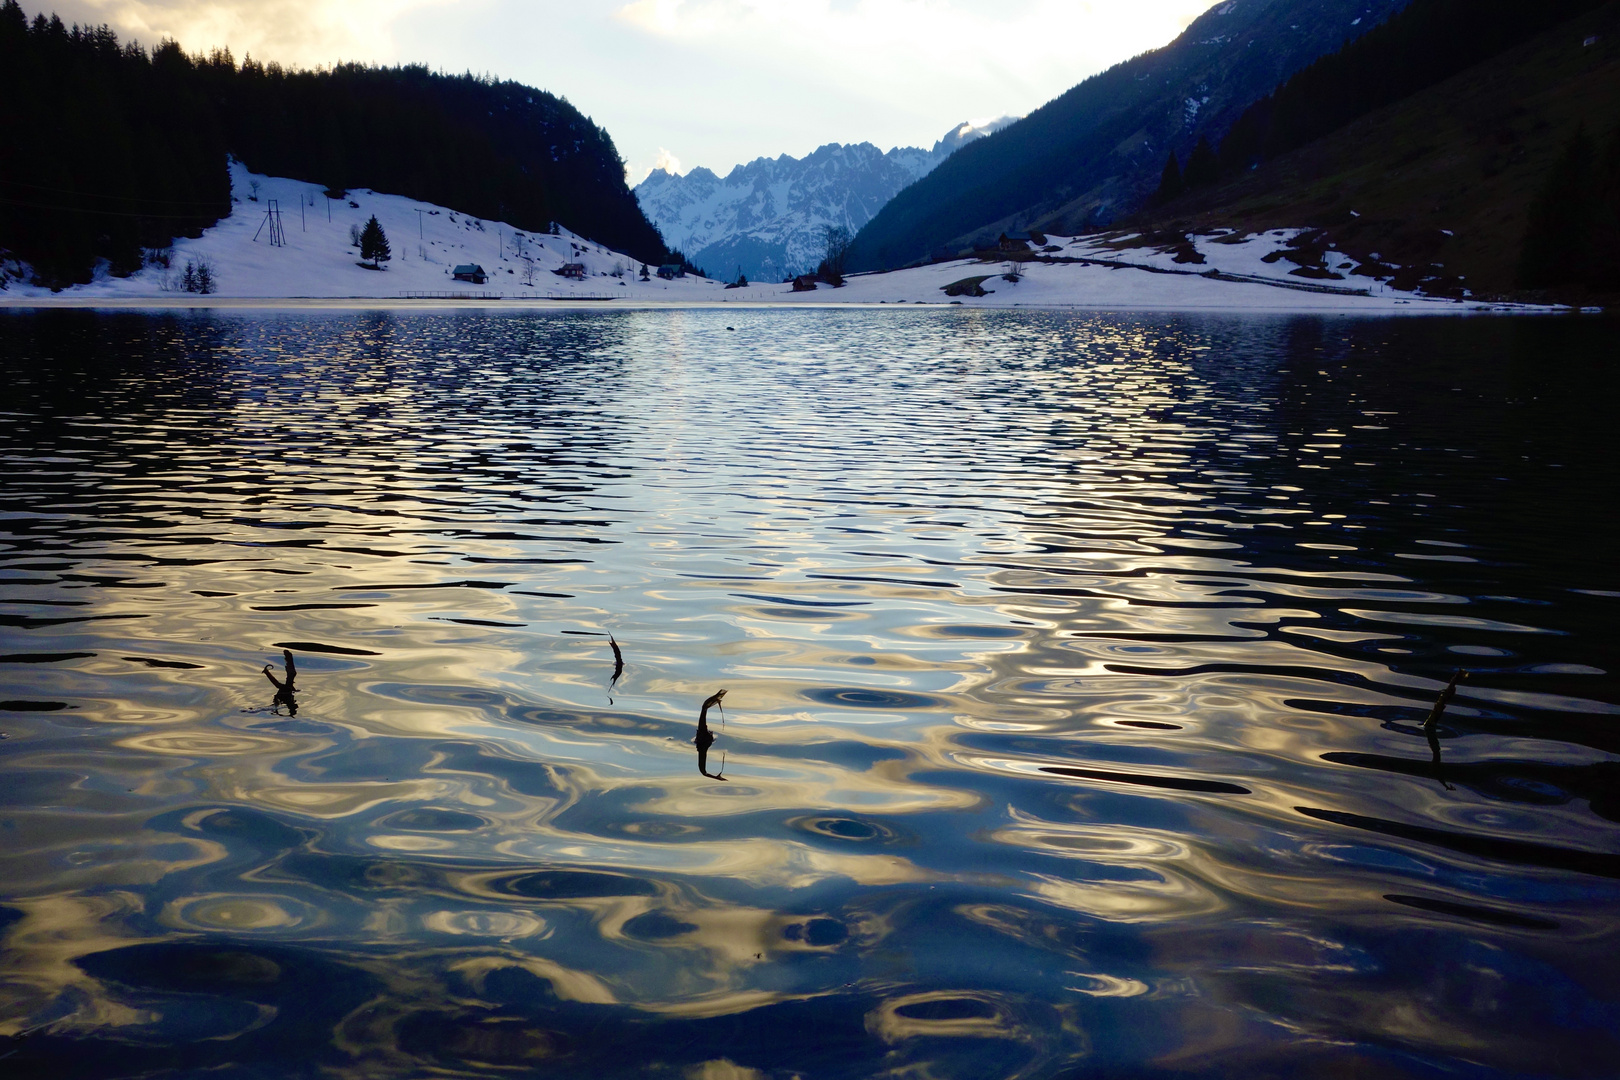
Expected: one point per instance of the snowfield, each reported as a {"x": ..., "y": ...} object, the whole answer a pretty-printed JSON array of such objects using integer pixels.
[
  {"x": 318, "y": 262},
  {"x": 427, "y": 241}
]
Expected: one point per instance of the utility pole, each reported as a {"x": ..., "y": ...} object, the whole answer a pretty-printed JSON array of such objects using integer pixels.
[
  {"x": 419, "y": 234},
  {"x": 272, "y": 218}
]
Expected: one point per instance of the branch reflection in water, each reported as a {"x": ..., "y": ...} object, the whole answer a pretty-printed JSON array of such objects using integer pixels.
[
  {"x": 1439, "y": 766},
  {"x": 618, "y": 667},
  {"x": 284, "y": 690},
  {"x": 705, "y": 738},
  {"x": 618, "y": 657}
]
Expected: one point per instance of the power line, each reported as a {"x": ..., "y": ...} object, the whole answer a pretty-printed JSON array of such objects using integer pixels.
[
  {"x": 104, "y": 213},
  {"x": 99, "y": 195}
]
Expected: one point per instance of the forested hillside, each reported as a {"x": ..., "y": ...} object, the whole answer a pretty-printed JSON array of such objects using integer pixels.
[
  {"x": 1503, "y": 177},
  {"x": 1082, "y": 159},
  {"x": 1427, "y": 43},
  {"x": 110, "y": 148}
]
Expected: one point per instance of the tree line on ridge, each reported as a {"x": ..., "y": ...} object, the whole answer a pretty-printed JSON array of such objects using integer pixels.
[{"x": 113, "y": 149}]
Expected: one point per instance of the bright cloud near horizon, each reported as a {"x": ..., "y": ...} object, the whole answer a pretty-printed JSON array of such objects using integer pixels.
[{"x": 700, "y": 82}]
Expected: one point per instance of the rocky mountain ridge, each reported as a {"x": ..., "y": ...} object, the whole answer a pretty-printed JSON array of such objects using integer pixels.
[{"x": 766, "y": 218}]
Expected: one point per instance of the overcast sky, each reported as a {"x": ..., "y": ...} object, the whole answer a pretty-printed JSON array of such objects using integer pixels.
[{"x": 701, "y": 82}]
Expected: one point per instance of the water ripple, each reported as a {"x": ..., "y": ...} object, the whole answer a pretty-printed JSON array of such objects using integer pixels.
[{"x": 1077, "y": 672}]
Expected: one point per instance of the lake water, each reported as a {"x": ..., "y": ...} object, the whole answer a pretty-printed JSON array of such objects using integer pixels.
[{"x": 1076, "y": 672}]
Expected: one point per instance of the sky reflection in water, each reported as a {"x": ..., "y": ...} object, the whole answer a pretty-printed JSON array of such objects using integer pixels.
[{"x": 1077, "y": 668}]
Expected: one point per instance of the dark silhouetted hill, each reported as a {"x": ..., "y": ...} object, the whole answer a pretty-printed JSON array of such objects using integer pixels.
[
  {"x": 1502, "y": 177},
  {"x": 109, "y": 148},
  {"x": 1080, "y": 160}
]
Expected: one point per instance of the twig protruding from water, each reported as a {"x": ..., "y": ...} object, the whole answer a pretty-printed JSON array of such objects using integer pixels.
[
  {"x": 285, "y": 690},
  {"x": 1440, "y": 704}
]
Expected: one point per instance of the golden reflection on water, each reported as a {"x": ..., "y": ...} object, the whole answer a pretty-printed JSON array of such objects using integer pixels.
[{"x": 1062, "y": 721}]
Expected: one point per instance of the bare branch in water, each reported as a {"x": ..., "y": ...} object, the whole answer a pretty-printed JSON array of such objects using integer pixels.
[
  {"x": 1440, "y": 704},
  {"x": 284, "y": 690}
]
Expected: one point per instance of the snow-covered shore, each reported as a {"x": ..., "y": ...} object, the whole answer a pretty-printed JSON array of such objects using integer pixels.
[{"x": 317, "y": 263}]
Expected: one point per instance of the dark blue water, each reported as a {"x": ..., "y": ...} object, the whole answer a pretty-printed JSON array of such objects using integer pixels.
[{"x": 1076, "y": 674}]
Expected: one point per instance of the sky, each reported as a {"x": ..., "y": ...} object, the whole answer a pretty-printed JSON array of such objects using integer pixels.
[{"x": 683, "y": 83}]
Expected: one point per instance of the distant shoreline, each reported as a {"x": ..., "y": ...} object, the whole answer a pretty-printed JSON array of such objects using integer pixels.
[
  {"x": 1417, "y": 306},
  {"x": 510, "y": 269}
]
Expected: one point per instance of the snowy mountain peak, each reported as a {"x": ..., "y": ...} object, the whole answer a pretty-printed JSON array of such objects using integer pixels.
[
  {"x": 767, "y": 217},
  {"x": 967, "y": 131}
]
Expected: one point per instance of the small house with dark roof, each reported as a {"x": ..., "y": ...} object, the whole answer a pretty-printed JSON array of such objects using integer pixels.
[
  {"x": 575, "y": 270},
  {"x": 470, "y": 272},
  {"x": 670, "y": 271}
]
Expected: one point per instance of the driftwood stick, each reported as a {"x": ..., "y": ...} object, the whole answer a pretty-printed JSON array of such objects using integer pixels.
[{"x": 1440, "y": 704}]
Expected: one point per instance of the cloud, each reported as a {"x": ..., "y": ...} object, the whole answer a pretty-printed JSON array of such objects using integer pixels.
[
  {"x": 301, "y": 32},
  {"x": 892, "y": 71},
  {"x": 889, "y": 42},
  {"x": 666, "y": 161},
  {"x": 726, "y": 80}
]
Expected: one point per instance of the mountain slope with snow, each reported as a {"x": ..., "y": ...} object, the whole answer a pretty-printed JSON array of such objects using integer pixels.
[
  {"x": 318, "y": 260},
  {"x": 1094, "y": 152},
  {"x": 1220, "y": 271},
  {"x": 766, "y": 218}
]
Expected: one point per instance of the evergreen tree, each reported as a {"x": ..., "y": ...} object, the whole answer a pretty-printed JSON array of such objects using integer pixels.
[
  {"x": 1203, "y": 167},
  {"x": 1243, "y": 145},
  {"x": 374, "y": 244},
  {"x": 1171, "y": 185},
  {"x": 1575, "y": 220},
  {"x": 1606, "y": 227},
  {"x": 1557, "y": 247}
]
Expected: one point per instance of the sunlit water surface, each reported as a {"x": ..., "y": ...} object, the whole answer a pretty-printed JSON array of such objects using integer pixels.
[{"x": 1076, "y": 674}]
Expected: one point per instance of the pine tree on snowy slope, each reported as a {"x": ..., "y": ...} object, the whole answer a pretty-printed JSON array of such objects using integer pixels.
[{"x": 374, "y": 244}]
